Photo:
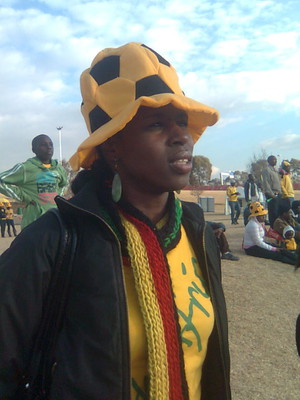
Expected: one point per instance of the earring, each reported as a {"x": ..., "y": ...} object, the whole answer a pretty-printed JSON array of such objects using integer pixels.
[{"x": 116, "y": 188}]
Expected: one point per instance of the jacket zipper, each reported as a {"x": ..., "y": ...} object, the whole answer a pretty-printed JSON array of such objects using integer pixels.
[
  {"x": 217, "y": 318},
  {"x": 123, "y": 294}
]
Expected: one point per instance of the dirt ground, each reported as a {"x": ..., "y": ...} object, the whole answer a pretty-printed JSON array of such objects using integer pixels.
[{"x": 263, "y": 301}]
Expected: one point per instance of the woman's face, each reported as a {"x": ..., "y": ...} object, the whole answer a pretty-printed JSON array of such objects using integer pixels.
[
  {"x": 287, "y": 215},
  {"x": 261, "y": 218},
  {"x": 154, "y": 151}
]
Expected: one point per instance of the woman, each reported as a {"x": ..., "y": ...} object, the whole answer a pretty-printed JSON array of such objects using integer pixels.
[
  {"x": 146, "y": 313},
  {"x": 255, "y": 231}
]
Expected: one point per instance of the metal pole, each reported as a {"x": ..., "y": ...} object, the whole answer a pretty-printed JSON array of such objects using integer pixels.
[{"x": 59, "y": 138}]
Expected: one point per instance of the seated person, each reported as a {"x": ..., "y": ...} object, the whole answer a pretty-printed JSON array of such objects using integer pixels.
[
  {"x": 219, "y": 230},
  {"x": 286, "y": 218},
  {"x": 255, "y": 231},
  {"x": 289, "y": 238},
  {"x": 296, "y": 210}
]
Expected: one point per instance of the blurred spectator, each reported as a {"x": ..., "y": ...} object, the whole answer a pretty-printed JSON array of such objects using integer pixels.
[
  {"x": 233, "y": 202},
  {"x": 10, "y": 221},
  {"x": 296, "y": 210},
  {"x": 286, "y": 182},
  {"x": 255, "y": 231},
  {"x": 286, "y": 218},
  {"x": 219, "y": 231},
  {"x": 2, "y": 220},
  {"x": 36, "y": 181},
  {"x": 251, "y": 190},
  {"x": 271, "y": 188}
]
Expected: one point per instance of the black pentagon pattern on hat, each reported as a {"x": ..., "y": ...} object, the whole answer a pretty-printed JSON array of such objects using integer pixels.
[
  {"x": 160, "y": 58},
  {"x": 98, "y": 117},
  {"x": 106, "y": 69},
  {"x": 150, "y": 86}
]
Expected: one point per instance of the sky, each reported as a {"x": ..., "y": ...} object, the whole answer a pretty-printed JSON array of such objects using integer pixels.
[{"x": 239, "y": 56}]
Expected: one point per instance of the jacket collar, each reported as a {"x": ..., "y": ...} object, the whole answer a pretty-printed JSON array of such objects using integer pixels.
[{"x": 86, "y": 200}]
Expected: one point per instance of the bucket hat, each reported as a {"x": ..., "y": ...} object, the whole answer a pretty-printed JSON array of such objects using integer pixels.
[
  {"x": 119, "y": 81},
  {"x": 257, "y": 209}
]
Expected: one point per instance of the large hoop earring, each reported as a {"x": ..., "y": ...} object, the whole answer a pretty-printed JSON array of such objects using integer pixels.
[{"x": 116, "y": 188}]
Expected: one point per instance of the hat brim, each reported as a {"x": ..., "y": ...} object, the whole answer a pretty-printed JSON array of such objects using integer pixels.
[
  {"x": 264, "y": 212},
  {"x": 200, "y": 117}
]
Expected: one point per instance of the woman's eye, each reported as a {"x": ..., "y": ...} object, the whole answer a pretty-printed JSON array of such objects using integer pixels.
[
  {"x": 182, "y": 123},
  {"x": 156, "y": 125}
]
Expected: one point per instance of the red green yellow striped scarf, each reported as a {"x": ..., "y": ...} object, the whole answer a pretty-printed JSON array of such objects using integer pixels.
[{"x": 154, "y": 289}]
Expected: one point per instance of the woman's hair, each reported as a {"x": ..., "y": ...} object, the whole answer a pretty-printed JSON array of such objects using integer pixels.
[
  {"x": 100, "y": 172},
  {"x": 284, "y": 206},
  {"x": 80, "y": 180}
]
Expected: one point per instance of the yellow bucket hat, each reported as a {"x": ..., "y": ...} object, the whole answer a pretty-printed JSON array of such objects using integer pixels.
[
  {"x": 257, "y": 209},
  {"x": 119, "y": 81}
]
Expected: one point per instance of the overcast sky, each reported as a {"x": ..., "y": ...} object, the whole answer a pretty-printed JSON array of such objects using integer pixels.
[{"x": 239, "y": 56}]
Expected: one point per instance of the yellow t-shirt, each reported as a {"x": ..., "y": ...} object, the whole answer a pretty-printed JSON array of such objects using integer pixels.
[
  {"x": 291, "y": 244},
  {"x": 196, "y": 319},
  {"x": 231, "y": 193},
  {"x": 9, "y": 214}
]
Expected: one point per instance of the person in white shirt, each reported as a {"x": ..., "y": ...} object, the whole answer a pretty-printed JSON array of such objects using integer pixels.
[{"x": 255, "y": 231}]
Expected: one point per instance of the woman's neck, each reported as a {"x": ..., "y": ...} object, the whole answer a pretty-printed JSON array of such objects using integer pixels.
[{"x": 153, "y": 206}]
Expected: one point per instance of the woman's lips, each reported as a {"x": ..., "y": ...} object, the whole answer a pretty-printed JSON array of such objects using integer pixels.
[{"x": 181, "y": 165}]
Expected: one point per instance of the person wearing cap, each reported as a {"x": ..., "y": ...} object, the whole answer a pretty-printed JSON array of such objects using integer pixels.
[
  {"x": 36, "y": 181},
  {"x": 286, "y": 181},
  {"x": 233, "y": 202},
  {"x": 272, "y": 188},
  {"x": 255, "y": 231},
  {"x": 146, "y": 315}
]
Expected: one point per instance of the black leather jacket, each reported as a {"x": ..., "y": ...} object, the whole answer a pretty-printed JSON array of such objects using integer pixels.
[{"x": 93, "y": 360}]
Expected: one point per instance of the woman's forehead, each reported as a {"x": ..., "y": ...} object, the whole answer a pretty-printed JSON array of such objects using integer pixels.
[{"x": 168, "y": 110}]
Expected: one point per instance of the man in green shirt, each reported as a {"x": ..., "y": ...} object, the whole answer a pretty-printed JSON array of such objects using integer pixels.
[{"x": 36, "y": 181}]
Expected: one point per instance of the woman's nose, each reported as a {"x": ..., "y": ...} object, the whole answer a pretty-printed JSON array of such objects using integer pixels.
[{"x": 180, "y": 135}]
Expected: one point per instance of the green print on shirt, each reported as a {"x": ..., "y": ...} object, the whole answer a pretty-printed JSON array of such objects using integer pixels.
[
  {"x": 188, "y": 319},
  {"x": 196, "y": 269},
  {"x": 139, "y": 393}
]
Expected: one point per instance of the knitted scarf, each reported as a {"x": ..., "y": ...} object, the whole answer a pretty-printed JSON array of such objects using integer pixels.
[{"x": 146, "y": 248}]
